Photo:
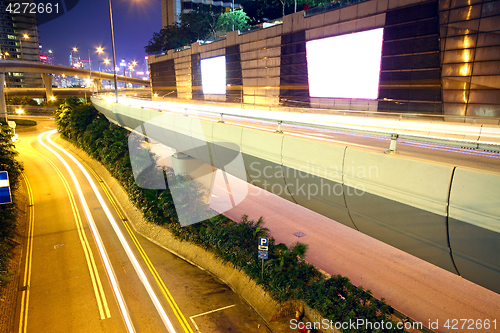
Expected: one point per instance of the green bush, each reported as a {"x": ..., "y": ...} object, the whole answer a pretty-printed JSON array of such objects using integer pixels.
[
  {"x": 22, "y": 101},
  {"x": 8, "y": 212},
  {"x": 25, "y": 122},
  {"x": 286, "y": 274}
]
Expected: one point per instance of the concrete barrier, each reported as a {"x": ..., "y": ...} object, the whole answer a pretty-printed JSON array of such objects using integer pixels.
[
  {"x": 313, "y": 174},
  {"x": 474, "y": 225},
  {"x": 400, "y": 201}
]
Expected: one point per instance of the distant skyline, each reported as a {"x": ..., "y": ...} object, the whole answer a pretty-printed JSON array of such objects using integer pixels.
[{"x": 87, "y": 27}]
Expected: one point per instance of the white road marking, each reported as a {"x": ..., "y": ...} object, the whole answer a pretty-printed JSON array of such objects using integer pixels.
[
  {"x": 121, "y": 237},
  {"x": 208, "y": 312}
]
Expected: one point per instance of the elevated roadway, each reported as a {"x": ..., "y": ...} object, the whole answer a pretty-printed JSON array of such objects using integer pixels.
[
  {"x": 22, "y": 66},
  {"x": 436, "y": 202},
  {"x": 66, "y": 92}
]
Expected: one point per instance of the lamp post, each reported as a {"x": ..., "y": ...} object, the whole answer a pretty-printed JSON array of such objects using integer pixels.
[
  {"x": 72, "y": 60},
  {"x": 98, "y": 50},
  {"x": 106, "y": 61},
  {"x": 25, "y": 36},
  {"x": 113, "y": 47},
  {"x": 90, "y": 70}
]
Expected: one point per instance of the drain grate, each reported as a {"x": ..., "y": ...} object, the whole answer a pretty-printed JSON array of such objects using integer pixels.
[{"x": 299, "y": 234}]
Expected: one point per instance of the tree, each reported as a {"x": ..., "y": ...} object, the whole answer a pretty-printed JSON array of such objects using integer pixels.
[
  {"x": 235, "y": 20},
  {"x": 264, "y": 10},
  {"x": 22, "y": 101},
  {"x": 196, "y": 25}
]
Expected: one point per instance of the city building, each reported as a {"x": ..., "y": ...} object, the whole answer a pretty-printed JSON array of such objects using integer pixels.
[{"x": 19, "y": 40}]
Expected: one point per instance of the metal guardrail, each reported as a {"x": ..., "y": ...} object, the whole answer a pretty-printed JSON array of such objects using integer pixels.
[
  {"x": 393, "y": 135},
  {"x": 330, "y": 6}
]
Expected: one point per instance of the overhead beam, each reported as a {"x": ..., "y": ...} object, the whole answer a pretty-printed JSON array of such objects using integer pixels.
[{"x": 22, "y": 66}]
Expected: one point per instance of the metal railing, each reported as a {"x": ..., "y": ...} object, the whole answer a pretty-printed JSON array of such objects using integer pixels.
[
  {"x": 331, "y": 6},
  {"x": 286, "y": 118}
]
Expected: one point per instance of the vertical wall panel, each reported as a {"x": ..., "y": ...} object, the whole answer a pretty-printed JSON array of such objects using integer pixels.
[
  {"x": 260, "y": 71},
  {"x": 163, "y": 78},
  {"x": 234, "y": 79},
  {"x": 294, "y": 84},
  {"x": 471, "y": 57},
  {"x": 410, "y": 69},
  {"x": 196, "y": 77},
  {"x": 183, "y": 76}
]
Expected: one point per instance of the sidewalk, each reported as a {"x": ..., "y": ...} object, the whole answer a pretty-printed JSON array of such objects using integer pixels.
[{"x": 415, "y": 287}]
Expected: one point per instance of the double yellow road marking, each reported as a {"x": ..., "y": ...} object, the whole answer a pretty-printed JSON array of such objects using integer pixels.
[
  {"x": 178, "y": 314},
  {"x": 96, "y": 282},
  {"x": 100, "y": 296},
  {"x": 102, "y": 303},
  {"x": 23, "y": 323}
]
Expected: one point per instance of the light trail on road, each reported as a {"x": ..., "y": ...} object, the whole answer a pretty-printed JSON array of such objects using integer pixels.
[
  {"x": 168, "y": 296},
  {"x": 97, "y": 237},
  {"x": 102, "y": 303},
  {"x": 124, "y": 243},
  {"x": 23, "y": 323}
]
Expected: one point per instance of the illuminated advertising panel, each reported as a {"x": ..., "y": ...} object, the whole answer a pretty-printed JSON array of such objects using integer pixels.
[
  {"x": 213, "y": 75},
  {"x": 346, "y": 66}
]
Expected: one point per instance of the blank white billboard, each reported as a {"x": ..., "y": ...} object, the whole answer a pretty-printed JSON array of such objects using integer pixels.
[
  {"x": 346, "y": 66},
  {"x": 213, "y": 75}
]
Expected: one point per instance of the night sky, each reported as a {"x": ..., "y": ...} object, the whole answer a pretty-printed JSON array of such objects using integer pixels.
[{"x": 87, "y": 26}]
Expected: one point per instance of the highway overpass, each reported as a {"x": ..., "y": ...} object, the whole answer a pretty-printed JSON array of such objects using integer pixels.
[
  {"x": 46, "y": 71},
  {"x": 435, "y": 202},
  {"x": 21, "y": 66},
  {"x": 61, "y": 93}
]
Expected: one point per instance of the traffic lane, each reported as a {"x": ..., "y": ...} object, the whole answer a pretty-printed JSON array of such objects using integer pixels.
[
  {"x": 438, "y": 153},
  {"x": 413, "y": 286},
  {"x": 61, "y": 294},
  {"x": 194, "y": 290},
  {"x": 142, "y": 311},
  {"x": 477, "y": 159},
  {"x": 205, "y": 299}
]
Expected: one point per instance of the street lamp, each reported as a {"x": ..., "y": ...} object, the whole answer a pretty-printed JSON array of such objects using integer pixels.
[
  {"x": 25, "y": 36},
  {"x": 72, "y": 59},
  {"x": 106, "y": 61},
  {"x": 98, "y": 50},
  {"x": 113, "y": 47}
]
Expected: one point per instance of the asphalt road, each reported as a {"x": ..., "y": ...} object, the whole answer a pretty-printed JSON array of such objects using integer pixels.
[
  {"x": 78, "y": 275},
  {"x": 477, "y": 159}
]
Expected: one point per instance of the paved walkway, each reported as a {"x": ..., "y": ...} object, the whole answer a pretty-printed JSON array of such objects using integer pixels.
[{"x": 418, "y": 289}]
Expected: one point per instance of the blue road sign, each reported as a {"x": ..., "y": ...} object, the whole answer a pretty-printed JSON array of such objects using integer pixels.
[
  {"x": 263, "y": 241},
  {"x": 263, "y": 255},
  {"x": 5, "y": 196}
]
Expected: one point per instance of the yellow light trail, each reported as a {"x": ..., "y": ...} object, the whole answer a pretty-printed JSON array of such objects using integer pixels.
[
  {"x": 97, "y": 237},
  {"x": 102, "y": 303},
  {"x": 23, "y": 323},
  {"x": 175, "y": 308},
  {"x": 121, "y": 237}
]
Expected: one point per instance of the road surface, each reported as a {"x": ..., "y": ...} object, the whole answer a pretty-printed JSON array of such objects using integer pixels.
[{"x": 81, "y": 274}]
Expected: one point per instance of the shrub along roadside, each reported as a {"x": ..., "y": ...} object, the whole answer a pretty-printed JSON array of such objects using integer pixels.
[
  {"x": 287, "y": 275},
  {"x": 8, "y": 212}
]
